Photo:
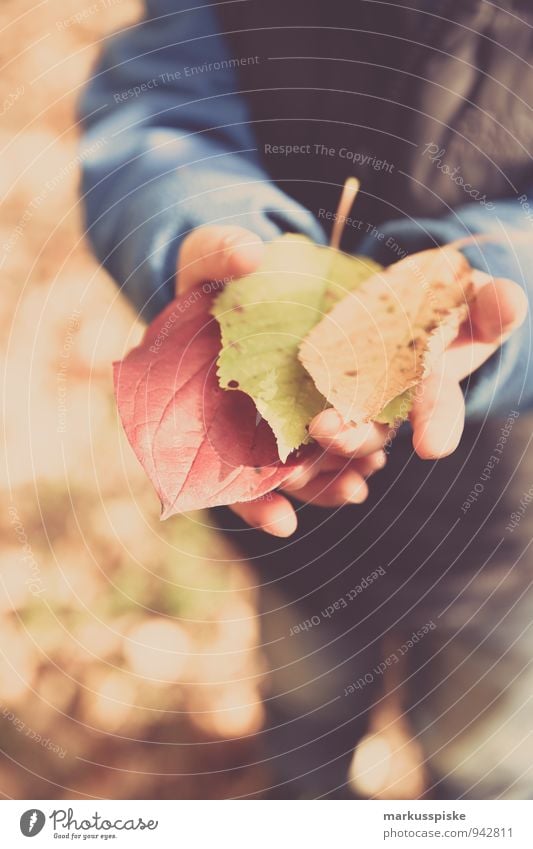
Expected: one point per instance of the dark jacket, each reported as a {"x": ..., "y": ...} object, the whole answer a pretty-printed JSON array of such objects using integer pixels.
[{"x": 256, "y": 111}]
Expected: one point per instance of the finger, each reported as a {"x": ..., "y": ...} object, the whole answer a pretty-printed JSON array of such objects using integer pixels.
[
  {"x": 437, "y": 417},
  {"x": 461, "y": 360},
  {"x": 315, "y": 461},
  {"x": 273, "y": 514},
  {"x": 365, "y": 467},
  {"x": 347, "y": 440},
  {"x": 498, "y": 308},
  {"x": 374, "y": 462},
  {"x": 334, "y": 489},
  {"x": 217, "y": 253},
  {"x": 326, "y": 461}
]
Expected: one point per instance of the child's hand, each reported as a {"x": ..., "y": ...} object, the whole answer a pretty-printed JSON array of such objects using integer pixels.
[
  {"x": 438, "y": 414},
  {"x": 335, "y": 474},
  {"x": 217, "y": 253},
  {"x": 437, "y": 417}
]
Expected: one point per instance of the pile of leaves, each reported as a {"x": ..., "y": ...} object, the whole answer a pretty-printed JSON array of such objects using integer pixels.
[{"x": 217, "y": 400}]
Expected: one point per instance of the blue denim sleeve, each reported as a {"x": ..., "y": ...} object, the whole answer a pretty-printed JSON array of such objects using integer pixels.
[
  {"x": 505, "y": 382},
  {"x": 168, "y": 147}
]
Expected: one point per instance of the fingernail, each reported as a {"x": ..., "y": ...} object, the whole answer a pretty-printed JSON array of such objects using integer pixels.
[
  {"x": 381, "y": 460},
  {"x": 328, "y": 422},
  {"x": 296, "y": 480},
  {"x": 359, "y": 494},
  {"x": 282, "y": 526}
]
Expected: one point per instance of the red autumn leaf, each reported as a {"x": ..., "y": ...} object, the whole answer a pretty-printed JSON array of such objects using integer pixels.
[{"x": 200, "y": 445}]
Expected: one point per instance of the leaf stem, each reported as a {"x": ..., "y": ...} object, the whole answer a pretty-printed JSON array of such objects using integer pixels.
[{"x": 348, "y": 196}]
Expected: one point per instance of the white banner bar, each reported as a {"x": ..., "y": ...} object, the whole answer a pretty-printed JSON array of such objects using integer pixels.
[{"x": 267, "y": 824}]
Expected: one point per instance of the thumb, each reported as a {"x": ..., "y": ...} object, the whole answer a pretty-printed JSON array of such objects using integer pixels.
[
  {"x": 500, "y": 306},
  {"x": 217, "y": 253}
]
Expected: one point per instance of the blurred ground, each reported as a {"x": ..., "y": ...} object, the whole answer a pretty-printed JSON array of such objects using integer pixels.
[{"x": 119, "y": 636}]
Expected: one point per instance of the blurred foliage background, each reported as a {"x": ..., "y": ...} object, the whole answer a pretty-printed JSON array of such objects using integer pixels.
[{"x": 128, "y": 666}]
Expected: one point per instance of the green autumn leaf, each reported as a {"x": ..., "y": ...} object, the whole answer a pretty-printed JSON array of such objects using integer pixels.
[
  {"x": 264, "y": 318},
  {"x": 395, "y": 411}
]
